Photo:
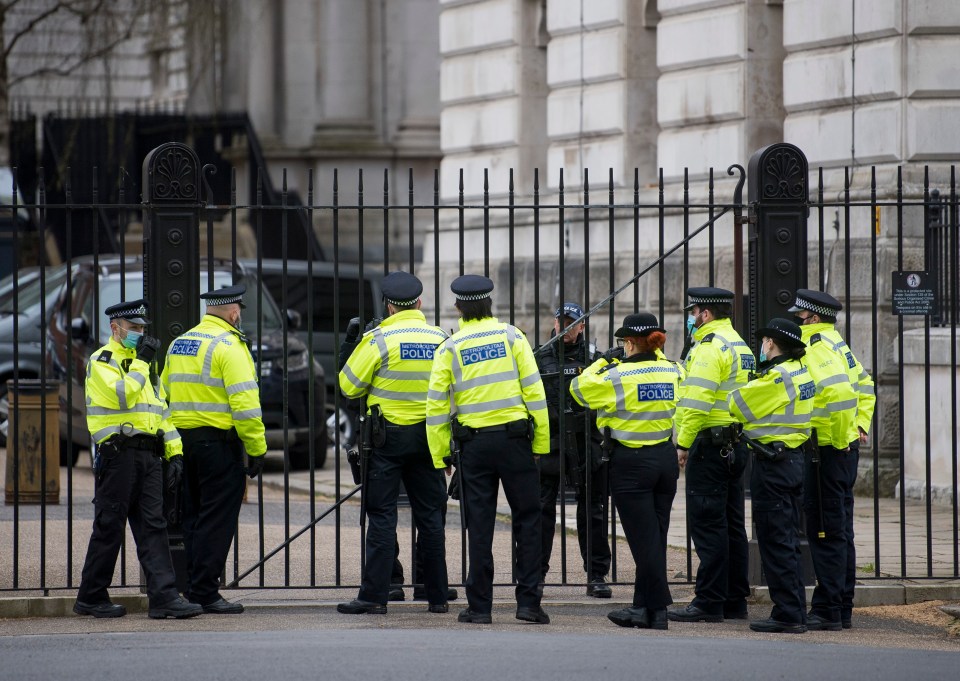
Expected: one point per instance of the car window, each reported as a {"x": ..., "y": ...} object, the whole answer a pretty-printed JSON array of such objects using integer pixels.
[
  {"x": 28, "y": 293},
  {"x": 322, "y": 311}
]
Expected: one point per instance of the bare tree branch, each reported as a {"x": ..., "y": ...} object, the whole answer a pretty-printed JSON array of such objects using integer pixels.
[{"x": 29, "y": 27}]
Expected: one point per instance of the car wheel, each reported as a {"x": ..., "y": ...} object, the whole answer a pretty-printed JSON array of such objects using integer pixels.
[
  {"x": 300, "y": 454},
  {"x": 342, "y": 420}
]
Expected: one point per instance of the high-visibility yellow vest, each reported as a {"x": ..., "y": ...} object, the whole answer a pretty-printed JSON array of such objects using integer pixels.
[
  {"x": 635, "y": 399},
  {"x": 776, "y": 406},
  {"x": 719, "y": 361},
  {"x": 121, "y": 398},
  {"x": 834, "y": 418},
  {"x": 861, "y": 381},
  {"x": 487, "y": 374},
  {"x": 391, "y": 366},
  {"x": 211, "y": 380}
]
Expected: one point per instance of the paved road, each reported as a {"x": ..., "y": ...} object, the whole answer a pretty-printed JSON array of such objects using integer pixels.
[{"x": 289, "y": 639}]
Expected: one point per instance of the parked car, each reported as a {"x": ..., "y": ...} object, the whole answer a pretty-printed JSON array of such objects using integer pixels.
[
  {"x": 325, "y": 347},
  {"x": 75, "y": 325}
]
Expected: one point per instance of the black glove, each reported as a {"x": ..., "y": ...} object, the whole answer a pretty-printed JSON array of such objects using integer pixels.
[
  {"x": 256, "y": 465},
  {"x": 612, "y": 354},
  {"x": 353, "y": 331},
  {"x": 455, "y": 490},
  {"x": 147, "y": 348},
  {"x": 372, "y": 324},
  {"x": 173, "y": 474}
]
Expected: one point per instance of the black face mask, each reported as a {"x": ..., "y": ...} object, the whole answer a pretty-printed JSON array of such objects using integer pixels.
[{"x": 799, "y": 321}]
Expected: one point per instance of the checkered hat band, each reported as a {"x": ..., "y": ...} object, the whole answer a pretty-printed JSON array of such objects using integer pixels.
[
  {"x": 641, "y": 329},
  {"x": 787, "y": 333},
  {"x": 213, "y": 302},
  {"x": 816, "y": 309},
  {"x": 402, "y": 302},
  {"x": 137, "y": 312},
  {"x": 472, "y": 296},
  {"x": 708, "y": 299}
]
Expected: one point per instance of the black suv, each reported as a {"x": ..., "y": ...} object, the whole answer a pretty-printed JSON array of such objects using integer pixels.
[{"x": 76, "y": 325}]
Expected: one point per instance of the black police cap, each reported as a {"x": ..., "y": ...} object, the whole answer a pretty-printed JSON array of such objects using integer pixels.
[
  {"x": 638, "y": 324},
  {"x": 471, "y": 287},
  {"x": 571, "y": 310},
  {"x": 707, "y": 295},
  {"x": 401, "y": 288},
  {"x": 132, "y": 310},
  {"x": 817, "y": 302},
  {"x": 782, "y": 330},
  {"x": 226, "y": 295}
]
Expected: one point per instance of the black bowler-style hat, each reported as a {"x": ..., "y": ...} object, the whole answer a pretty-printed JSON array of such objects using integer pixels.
[
  {"x": 401, "y": 288},
  {"x": 226, "y": 295},
  {"x": 782, "y": 330},
  {"x": 817, "y": 302},
  {"x": 639, "y": 324},
  {"x": 132, "y": 310},
  {"x": 706, "y": 295},
  {"x": 471, "y": 287}
]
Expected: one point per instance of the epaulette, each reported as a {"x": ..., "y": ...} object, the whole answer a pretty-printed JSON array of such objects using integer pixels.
[
  {"x": 815, "y": 338},
  {"x": 105, "y": 356},
  {"x": 608, "y": 367},
  {"x": 707, "y": 338}
]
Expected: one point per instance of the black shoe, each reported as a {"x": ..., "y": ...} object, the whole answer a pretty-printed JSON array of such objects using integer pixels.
[
  {"x": 535, "y": 615},
  {"x": 358, "y": 607},
  {"x": 438, "y": 607},
  {"x": 179, "y": 608},
  {"x": 395, "y": 594},
  {"x": 474, "y": 617},
  {"x": 630, "y": 617},
  {"x": 420, "y": 594},
  {"x": 692, "y": 613},
  {"x": 846, "y": 623},
  {"x": 772, "y": 626},
  {"x": 817, "y": 623},
  {"x": 735, "y": 612},
  {"x": 597, "y": 588},
  {"x": 658, "y": 619},
  {"x": 223, "y": 607},
  {"x": 99, "y": 610},
  {"x": 540, "y": 586}
]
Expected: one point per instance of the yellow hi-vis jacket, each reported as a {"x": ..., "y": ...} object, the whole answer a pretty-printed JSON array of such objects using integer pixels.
[
  {"x": 861, "y": 381},
  {"x": 635, "y": 399},
  {"x": 211, "y": 380},
  {"x": 391, "y": 366},
  {"x": 834, "y": 418},
  {"x": 719, "y": 361},
  {"x": 121, "y": 398},
  {"x": 776, "y": 406},
  {"x": 487, "y": 374}
]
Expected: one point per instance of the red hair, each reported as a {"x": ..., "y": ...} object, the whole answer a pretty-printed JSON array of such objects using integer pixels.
[{"x": 652, "y": 341}]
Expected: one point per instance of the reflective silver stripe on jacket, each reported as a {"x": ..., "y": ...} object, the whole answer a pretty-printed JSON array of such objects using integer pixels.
[
  {"x": 352, "y": 377},
  {"x": 699, "y": 405},
  {"x": 208, "y": 381},
  {"x": 832, "y": 380},
  {"x": 113, "y": 430},
  {"x": 702, "y": 383},
  {"x": 398, "y": 394},
  {"x": 241, "y": 387},
  {"x": 169, "y": 435},
  {"x": 480, "y": 407},
  {"x": 243, "y": 414},
  {"x": 764, "y": 431},
  {"x": 742, "y": 406},
  {"x": 219, "y": 407},
  {"x": 438, "y": 420},
  {"x": 141, "y": 408},
  {"x": 630, "y": 436}
]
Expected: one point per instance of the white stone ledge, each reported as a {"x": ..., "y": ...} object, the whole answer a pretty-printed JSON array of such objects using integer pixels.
[
  {"x": 825, "y": 135},
  {"x": 477, "y": 126},
  {"x": 710, "y": 146},
  {"x": 497, "y": 162},
  {"x": 668, "y": 8},
  {"x": 929, "y": 73},
  {"x": 811, "y": 24},
  {"x": 709, "y": 37},
  {"x": 492, "y": 23},
  {"x": 465, "y": 78},
  {"x": 933, "y": 16},
  {"x": 932, "y": 130},
  {"x": 604, "y": 110},
  {"x": 603, "y": 51},
  {"x": 599, "y": 155},
  {"x": 705, "y": 95},
  {"x": 563, "y": 16}
]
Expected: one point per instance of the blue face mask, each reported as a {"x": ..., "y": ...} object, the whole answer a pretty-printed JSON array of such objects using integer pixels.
[
  {"x": 131, "y": 339},
  {"x": 691, "y": 324},
  {"x": 763, "y": 354}
]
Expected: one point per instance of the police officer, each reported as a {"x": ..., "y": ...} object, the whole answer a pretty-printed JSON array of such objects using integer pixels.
[
  {"x": 775, "y": 408},
  {"x": 635, "y": 399},
  {"x": 486, "y": 373},
  {"x": 391, "y": 367},
  {"x": 828, "y": 484},
  {"x": 215, "y": 404},
  {"x": 718, "y": 362},
  {"x": 558, "y": 365},
  {"x": 126, "y": 418}
]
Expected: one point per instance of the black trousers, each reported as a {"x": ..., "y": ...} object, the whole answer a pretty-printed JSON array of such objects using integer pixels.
[
  {"x": 213, "y": 484},
  {"x": 776, "y": 488},
  {"x": 487, "y": 460},
  {"x": 591, "y": 513},
  {"x": 404, "y": 456},
  {"x": 129, "y": 489},
  {"x": 396, "y": 574},
  {"x": 716, "y": 513},
  {"x": 643, "y": 483},
  {"x": 834, "y": 556}
]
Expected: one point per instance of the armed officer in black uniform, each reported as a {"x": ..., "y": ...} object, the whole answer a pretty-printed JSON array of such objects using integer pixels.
[{"x": 559, "y": 364}]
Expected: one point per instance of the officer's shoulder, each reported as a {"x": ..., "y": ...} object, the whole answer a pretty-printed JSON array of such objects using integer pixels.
[
  {"x": 708, "y": 338},
  {"x": 815, "y": 338},
  {"x": 103, "y": 355}
]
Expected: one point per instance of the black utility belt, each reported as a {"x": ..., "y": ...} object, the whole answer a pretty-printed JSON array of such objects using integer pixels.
[
  {"x": 208, "y": 433},
  {"x": 514, "y": 429},
  {"x": 149, "y": 443},
  {"x": 721, "y": 435}
]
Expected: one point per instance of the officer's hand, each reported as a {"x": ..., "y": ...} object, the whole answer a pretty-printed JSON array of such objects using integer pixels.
[
  {"x": 173, "y": 474},
  {"x": 353, "y": 330},
  {"x": 372, "y": 324},
  {"x": 448, "y": 470},
  {"x": 863, "y": 435},
  {"x": 612, "y": 354},
  {"x": 255, "y": 465},
  {"x": 147, "y": 348},
  {"x": 682, "y": 457}
]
